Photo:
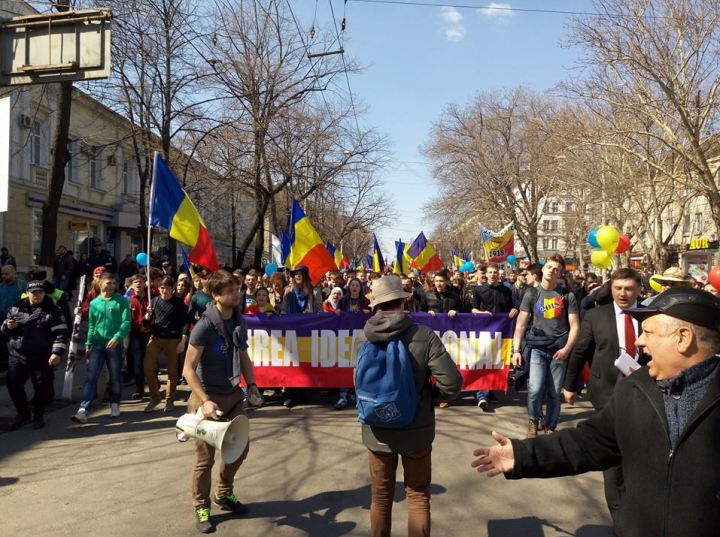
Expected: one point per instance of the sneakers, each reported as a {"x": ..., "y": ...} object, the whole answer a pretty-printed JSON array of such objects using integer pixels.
[
  {"x": 342, "y": 403},
  {"x": 549, "y": 430},
  {"x": 483, "y": 404},
  {"x": 18, "y": 421},
  {"x": 230, "y": 503},
  {"x": 169, "y": 406},
  {"x": 532, "y": 429},
  {"x": 138, "y": 394},
  {"x": 152, "y": 405},
  {"x": 114, "y": 410},
  {"x": 444, "y": 405},
  {"x": 81, "y": 416},
  {"x": 202, "y": 520},
  {"x": 288, "y": 403},
  {"x": 38, "y": 421}
]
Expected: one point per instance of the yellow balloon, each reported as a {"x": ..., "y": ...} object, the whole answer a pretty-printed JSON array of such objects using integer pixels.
[
  {"x": 654, "y": 284},
  {"x": 608, "y": 238},
  {"x": 601, "y": 259}
]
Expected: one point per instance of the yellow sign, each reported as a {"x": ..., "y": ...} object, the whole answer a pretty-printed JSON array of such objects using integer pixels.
[
  {"x": 79, "y": 225},
  {"x": 701, "y": 243}
]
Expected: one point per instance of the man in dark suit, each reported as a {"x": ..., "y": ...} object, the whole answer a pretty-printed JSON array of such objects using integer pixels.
[{"x": 606, "y": 332}]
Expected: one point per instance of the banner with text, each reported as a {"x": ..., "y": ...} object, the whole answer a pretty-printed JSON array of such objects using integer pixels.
[{"x": 318, "y": 350}]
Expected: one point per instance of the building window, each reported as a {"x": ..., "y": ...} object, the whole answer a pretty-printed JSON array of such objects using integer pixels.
[
  {"x": 36, "y": 144},
  {"x": 686, "y": 224},
  {"x": 698, "y": 223},
  {"x": 554, "y": 207},
  {"x": 37, "y": 231},
  {"x": 545, "y": 244},
  {"x": 134, "y": 246},
  {"x": 95, "y": 162},
  {"x": 554, "y": 244},
  {"x": 546, "y": 225},
  {"x": 553, "y": 225},
  {"x": 569, "y": 207}
]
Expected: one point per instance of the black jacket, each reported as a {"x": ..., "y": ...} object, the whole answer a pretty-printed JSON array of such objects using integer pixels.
[
  {"x": 598, "y": 345},
  {"x": 441, "y": 303},
  {"x": 41, "y": 330},
  {"x": 103, "y": 259},
  {"x": 497, "y": 299},
  {"x": 668, "y": 493}
]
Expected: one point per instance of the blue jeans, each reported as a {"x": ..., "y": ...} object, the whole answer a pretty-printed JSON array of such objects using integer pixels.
[
  {"x": 483, "y": 394},
  {"x": 546, "y": 377},
  {"x": 100, "y": 355},
  {"x": 137, "y": 357}
]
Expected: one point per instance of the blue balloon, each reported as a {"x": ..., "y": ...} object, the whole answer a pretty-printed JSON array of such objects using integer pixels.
[
  {"x": 141, "y": 259},
  {"x": 592, "y": 238},
  {"x": 542, "y": 261},
  {"x": 467, "y": 267},
  {"x": 511, "y": 259},
  {"x": 270, "y": 269}
]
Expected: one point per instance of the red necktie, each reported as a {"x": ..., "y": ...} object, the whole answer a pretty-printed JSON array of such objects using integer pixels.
[{"x": 629, "y": 336}]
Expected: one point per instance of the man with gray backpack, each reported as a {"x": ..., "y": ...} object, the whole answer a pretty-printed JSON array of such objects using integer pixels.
[{"x": 396, "y": 404}]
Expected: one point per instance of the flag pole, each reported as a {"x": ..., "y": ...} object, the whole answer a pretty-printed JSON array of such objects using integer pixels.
[{"x": 150, "y": 215}]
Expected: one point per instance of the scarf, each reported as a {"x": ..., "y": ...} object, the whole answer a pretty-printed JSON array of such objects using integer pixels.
[{"x": 299, "y": 302}]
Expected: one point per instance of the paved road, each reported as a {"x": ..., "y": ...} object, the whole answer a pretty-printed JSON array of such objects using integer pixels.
[{"x": 306, "y": 476}]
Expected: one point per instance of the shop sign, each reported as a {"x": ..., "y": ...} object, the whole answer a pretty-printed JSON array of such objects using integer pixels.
[{"x": 700, "y": 243}]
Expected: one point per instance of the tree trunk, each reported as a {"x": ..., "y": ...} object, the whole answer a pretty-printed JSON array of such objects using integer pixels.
[{"x": 59, "y": 159}]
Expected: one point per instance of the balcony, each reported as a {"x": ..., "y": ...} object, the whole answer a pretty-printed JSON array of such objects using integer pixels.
[{"x": 39, "y": 176}]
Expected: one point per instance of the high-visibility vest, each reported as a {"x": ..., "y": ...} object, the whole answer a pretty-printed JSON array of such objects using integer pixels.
[{"x": 55, "y": 295}]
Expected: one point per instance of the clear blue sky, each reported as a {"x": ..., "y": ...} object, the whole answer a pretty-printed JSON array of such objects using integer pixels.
[{"x": 419, "y": 59}]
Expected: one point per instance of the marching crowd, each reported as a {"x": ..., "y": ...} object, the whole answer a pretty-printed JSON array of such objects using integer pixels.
[{"x": 565, "y": 322}]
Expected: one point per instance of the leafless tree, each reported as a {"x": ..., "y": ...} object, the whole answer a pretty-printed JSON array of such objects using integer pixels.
[
  {"x": 157, "y": 83},
  {"x": 652, "y": 73},
  {"x": 295, "y": 139},
  {"x": 496, "y": 162}
]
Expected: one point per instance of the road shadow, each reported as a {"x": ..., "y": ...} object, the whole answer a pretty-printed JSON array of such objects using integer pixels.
[
  {"x": 534, "y": 527},
  {"x": 317, "y": 514},
  {"x": 5, "y": 481}
]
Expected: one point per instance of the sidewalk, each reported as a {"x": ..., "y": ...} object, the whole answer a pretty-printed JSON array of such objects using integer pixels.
[{"x": 306, "y": 476}]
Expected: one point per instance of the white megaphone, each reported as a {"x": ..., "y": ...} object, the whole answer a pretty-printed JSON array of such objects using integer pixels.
[{"x": 230, "y": 437}]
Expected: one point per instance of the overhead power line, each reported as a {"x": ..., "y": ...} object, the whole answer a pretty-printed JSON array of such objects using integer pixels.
[{"x": 505, "y": 8}]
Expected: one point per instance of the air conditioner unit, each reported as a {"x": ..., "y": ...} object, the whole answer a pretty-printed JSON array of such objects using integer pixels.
[
  {"x": 112, "y": 160},
  {"x": 26, "y": 121}
]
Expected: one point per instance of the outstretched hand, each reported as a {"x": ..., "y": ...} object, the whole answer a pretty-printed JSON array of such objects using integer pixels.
[{"x": 497, "y": 459}]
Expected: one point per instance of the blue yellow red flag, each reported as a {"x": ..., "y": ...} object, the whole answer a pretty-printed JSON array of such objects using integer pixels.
[
  {"x": 172, "y": 209},
  {"x": 378, "y": 260},
  {"x": 306, "y": 246},
  {"x": 424, "y": 254}
]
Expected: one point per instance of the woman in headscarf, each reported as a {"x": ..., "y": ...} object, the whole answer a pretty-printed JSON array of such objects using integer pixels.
[{"x": 332, "y": 304}]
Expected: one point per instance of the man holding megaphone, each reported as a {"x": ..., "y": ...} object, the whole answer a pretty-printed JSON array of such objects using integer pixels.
[{"x": 216, "y": 358}]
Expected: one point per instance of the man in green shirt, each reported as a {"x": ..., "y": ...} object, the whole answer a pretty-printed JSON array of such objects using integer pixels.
[{"x": 109, "y": 323}]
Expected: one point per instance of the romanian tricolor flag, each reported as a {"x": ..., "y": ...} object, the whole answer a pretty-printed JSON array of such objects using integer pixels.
[
  {"x": 306, "y": 246},
  {"x": 369, "y": 262},
  {"x": 424, "y": 254},
  {"x": 378, "y": 260},
  {"x": 400, "y": 265},
  {"x": 341, "y": 261},
  {"x": 171, "y": 208},
  {"x": 457, "y": 260}
]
